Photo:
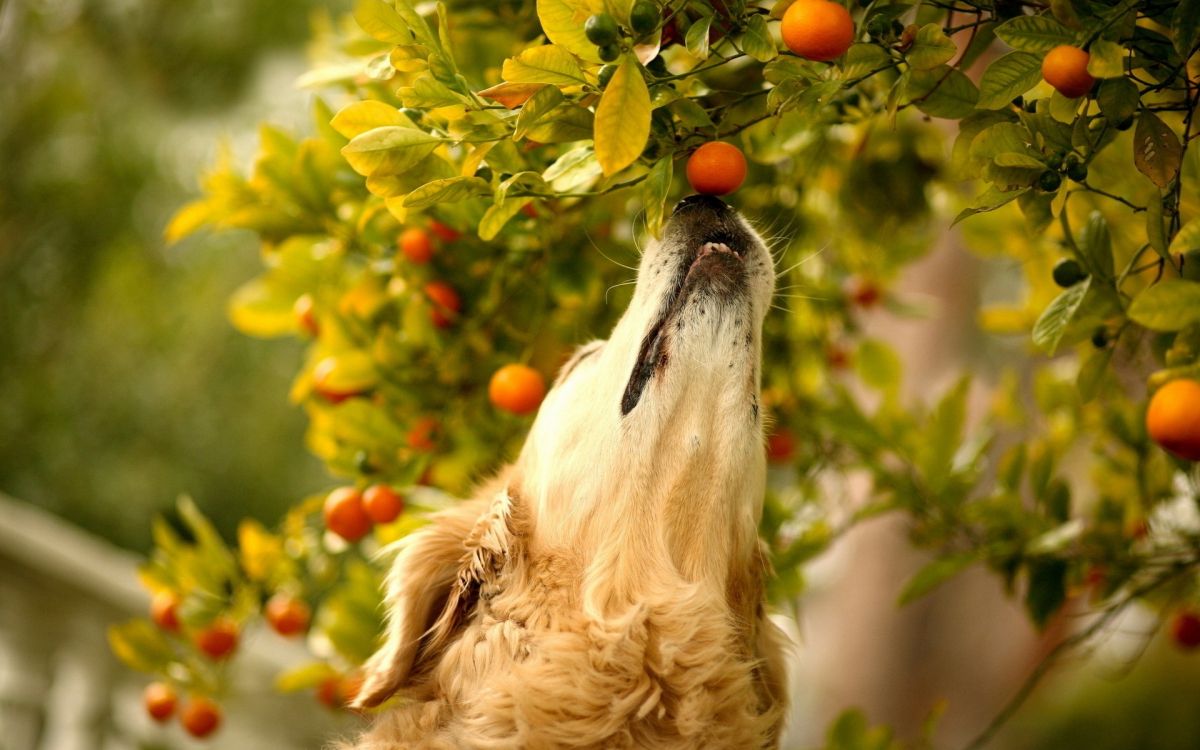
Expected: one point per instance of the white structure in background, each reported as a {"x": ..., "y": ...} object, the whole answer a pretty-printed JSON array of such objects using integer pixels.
[{"x": 61, "y": 688}]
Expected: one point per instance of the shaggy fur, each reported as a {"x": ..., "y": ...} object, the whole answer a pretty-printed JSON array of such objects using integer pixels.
[{"x": 606, "y": 590}]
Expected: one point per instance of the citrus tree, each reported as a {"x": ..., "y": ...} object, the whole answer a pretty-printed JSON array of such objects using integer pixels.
[{"x": 466, "y": 209}]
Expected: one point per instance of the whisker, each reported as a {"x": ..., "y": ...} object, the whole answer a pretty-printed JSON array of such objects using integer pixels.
[
  {"x": 606, "y": 257},
  {"x": 614, "y": 286},
  {"x": 804, "y": 260}
]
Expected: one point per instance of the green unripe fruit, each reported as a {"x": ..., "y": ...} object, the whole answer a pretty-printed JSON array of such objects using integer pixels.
[
  {"x": 1055, "y": 160},
  {"x": 1075, "y": 168},
  {"x": 877, "y": 27},
  {"x": 1125, "y": 124},
  {"x": 1049, "y": 181},
  {"x": 609, "y": 52},
  {"x": 1100, "y": 338},
  {"x": 606, "y": 74},
  {"x": 658, "y": 67},
  {"x": 643, "y": 17},
  {"x": 601, "y": 29},
  {"x": 1067, "y": 273}
]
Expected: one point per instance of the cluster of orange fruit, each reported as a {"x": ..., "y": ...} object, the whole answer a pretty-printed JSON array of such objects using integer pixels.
[
  {"x": 201, "y": 716},
  {"x": 351, "y": 513}
]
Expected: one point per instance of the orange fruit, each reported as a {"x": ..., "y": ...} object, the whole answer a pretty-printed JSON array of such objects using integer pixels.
[
  {"x": 200, "y": 717},
  {"x": 781, "y": 444},
  {"x": 1065, "y": 68},
  {"x": 345, "y": 515},
  {"x": 716, "y": 168},
  {"x": 218, "y": 640},
  {"x": 164, "y": 611},
  {"x": 329, "y": 691},
  {"x": 446, "y": 303},
  {"x": 287, "y": 615},
  {"x": 1185, "y": 630},
  {"x": 817, "y": 29},
  {"x": 323, "y": 378},
  {"x": 422, "y": 436},
  {"x": 865, "y": 293},
  {"x": 159, "y": 699},
  {"x": 416, "y": 245},
  {"x": 382, "y": 503},
  {"x": 445, "y": 233},
  {"x": 306, "y": 317},
  {"x": 1173, "y": 419},
  {"x": 517, "y": 388}
]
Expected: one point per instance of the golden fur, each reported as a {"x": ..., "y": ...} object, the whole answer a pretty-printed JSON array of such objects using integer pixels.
[{"x": 606, "y": 590}]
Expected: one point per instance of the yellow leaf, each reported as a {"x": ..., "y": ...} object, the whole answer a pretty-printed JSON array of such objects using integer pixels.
[
  {"x": 261, "y": 551},
  {"x": 259, "y": 308},
  {"x": 359, "y": 117},
  {"x": 563, "y": 20},
  {"x": 381, "y": 21},
  {"x": 543, "y": 64},
  {"x": 187, "y": 220},
  {"x": 391, "y": 149},
  {"x": 622, "y": 119}
]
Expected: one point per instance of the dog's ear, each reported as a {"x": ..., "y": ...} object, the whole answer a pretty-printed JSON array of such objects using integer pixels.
[{"x": 432, "y": 588}]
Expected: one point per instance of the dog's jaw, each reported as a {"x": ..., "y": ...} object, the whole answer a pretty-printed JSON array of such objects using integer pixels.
[{"x": 659, "y": 428}]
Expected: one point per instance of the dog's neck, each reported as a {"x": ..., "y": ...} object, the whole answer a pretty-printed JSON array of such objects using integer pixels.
[{"x": 679, "y": 482}]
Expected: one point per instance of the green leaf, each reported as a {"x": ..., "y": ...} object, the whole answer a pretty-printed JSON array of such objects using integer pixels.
[
  {"x": 1156, "y": 234},
  {"x": 862, "y": 59},
  {"x": 1096, "y": 245},
  {"x": 1034, "y": 33},
  {"x": 1047, "y": 589},
  {"x": 942, "y": 436},
  {"x": 877, "y": 364},
  {"x": 989, "y": 200},
  {"x": 448, "y": 190},
  {"x": 544, "y": 64},
  {"x": 1013, "y": 159},
  {"x": 1091, "y": 374},
  {"x": 1188, "y": 238},
  {"x": 696, "y": 39},
  {"x": 575, "y": 170},
  {"x": 141, "y": 646},
  {"x": 381, "y": 21},
  {"x": 1007, "y": 78},
  {"x": 1050, "y": 327},
  {"x": 655, "y": 189},
  {"x": 1118, "y": 99},
  {"x": 757, "y": 41},
  {"x": 1185, "y": 26},
  {"x": 427, "y": 93},
  {"x": 930, "y": 48},
  {"x": 1156, "y": 150},
  {"x": 416, "y": 24},
  {"x": 622, "y": 118},
  {"x": 563, "y": 20},
  {"x": 389, "y": 149},
  {"x": 536, "y": 109},
  {"x": 934, "y": 574},
  {"x": 1106, "y": 59},
  {"x": 263, "y": 309},
  {"x": 1169, "y": 305},
  {"x": 497, "y": 215},
  {"x": 563, "y": 124},
  {"x": 942, "y": 92},
  {"x": 362, "y": 423}
]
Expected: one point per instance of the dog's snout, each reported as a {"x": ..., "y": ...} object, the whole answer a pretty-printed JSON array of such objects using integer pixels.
[{"x": 709, "y": 202}]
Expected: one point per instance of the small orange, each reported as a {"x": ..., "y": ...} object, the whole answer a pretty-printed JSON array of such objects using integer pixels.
[
  {"x": 1173, "y": 419},
  {"x": 444, "y": 232},
  {"x": 865, "y": 293},
  {"x": 446, "y": 303},
  {"x": 329, "y": 691},
  {"x": 1065, "y": 68},
  {"x": 159, "y": 699},
  {"x": 716, "y": 168},
  {"x": 164, "y": 611},
  {"x": 422, "y": 436},
  {"x": 1185, "y": 630},
  {"x": 382, "y": 503},
  {"x": 219, "y": 640},
  {"x": 306, "y": 316},
  {"x": 323, "y": 376},
  {"x": 287, "y": 615},
  {"x": 781, "y": 444},
  {"x": 416, "y": 245},
  {"x": 345, "y": 515},
  {"x": 517, "y": 388},
  {"x": 817, "y": 29},
  {"x": 200, "y": 717}
]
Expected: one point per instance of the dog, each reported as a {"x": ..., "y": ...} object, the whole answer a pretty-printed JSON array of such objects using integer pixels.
[{"x": 607, "y": 589}]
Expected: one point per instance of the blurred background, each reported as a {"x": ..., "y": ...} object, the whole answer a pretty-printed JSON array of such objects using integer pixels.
[{"x": 124, "y": 386}]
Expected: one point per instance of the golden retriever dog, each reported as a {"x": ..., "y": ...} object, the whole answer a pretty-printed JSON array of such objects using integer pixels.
[{"x": 606, "y": 590}]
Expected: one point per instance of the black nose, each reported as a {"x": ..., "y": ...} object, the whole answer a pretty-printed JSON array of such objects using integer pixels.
[{"x": 710, "y": 202}]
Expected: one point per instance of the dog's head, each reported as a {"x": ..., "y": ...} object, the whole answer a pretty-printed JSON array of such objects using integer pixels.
[
  {"x": 644, "y": 468},
  {"x": 661, "y": 422}
]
